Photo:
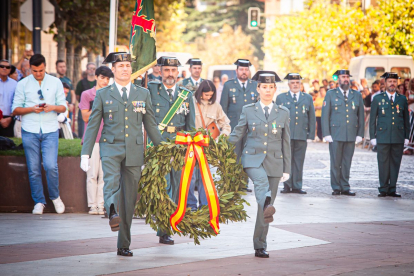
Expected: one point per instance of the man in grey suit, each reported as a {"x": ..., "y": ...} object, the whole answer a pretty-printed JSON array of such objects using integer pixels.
[
  {"x": 302, "y": 128},
  {"x": 342, "y": 126},
  {"x": 123, "y": 107},
  {"x": 237, "y": 93},
  {"x": 266, "y": 154},
  {"x": 163, "y": 96}
]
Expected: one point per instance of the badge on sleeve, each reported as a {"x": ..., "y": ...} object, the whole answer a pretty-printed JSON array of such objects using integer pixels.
[{"x": 324, "y": 103}]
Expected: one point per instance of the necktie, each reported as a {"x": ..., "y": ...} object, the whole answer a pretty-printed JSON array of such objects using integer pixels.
[
  {"x": 196, "y": 83},
  {"x": 244, "y": 88},
  {"x": 266, "y": 109},
  {"x": 392, "y": 101},
  {"x": 124, "y": 94},
  {"x": 170, "y": 93},
  {"x": 294, "y": 97},
  {"x": 346, "y": 98}
]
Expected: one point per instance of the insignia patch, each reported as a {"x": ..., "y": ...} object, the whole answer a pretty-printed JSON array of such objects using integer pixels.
[{"x": 324, "y": 103}]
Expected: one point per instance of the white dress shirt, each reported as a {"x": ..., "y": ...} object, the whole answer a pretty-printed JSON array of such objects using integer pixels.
[
  {"x": 297, "y": 95},
  {"x": 347, "y": 92},
  {"x": 263, "y": 106},
  {"x": 391, "y": 95},
  {"x": 128, "y": 87},
  {"x": 173, "y": 89},
  {"x": 241, "y": 83},
  {"x": 195, "y": 82}
]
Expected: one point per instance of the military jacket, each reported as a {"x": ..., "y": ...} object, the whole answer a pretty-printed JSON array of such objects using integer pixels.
[
  {"x": 268, "y": 141},
  {"x": 233, "y": 98},
  {"x": 183, "y": 121},
  {"x": 302, "y": 115},
  {"x": 122, "y": 124},
  {"x": 343, "y": 119},
  {"x": 389, "y": 123},
  {"x": 188, "y": 83}
]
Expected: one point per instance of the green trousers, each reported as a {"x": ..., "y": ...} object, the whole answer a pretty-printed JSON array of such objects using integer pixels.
[
  {"x": 341, "y": 158},
  {"x": 264, "y": 186},
  {"x": 389, "y": 160},
  {"x": 173, "y": 188},
  {"x": 121, "y": 190},
  {"x": 298, "y": 149}
]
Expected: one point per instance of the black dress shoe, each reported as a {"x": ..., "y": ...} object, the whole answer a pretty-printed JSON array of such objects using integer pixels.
[
  {"x": 394, "y": 194},
  {"x": 285, "y": 191},
  {"x": 125, "y": 252},
  {"x": 336, "y": 192},
  {"x": 348, "y": 193},
  {"x": 382, "y": 194},
  {"x": 299, "y": 191},
  {"x": 166, "y": 240},
  {"x": 261, "y": 253},
  {"x": 114, "y": 219},
  {"x": 247, "y": 190}
]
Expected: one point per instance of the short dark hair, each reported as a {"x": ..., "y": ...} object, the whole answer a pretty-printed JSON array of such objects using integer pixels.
[
  {"x": 376, "y": 82},
  {"x": 37, "y": 60},
  {"x": 206, "y": 86},
  {"x": 59, "y": 61},
  {"x": 65, "y": 85},
  {"x": 12, "y": 70},
  {"x": 5, "y": 60},
  {"x": 104, "y": 71}
]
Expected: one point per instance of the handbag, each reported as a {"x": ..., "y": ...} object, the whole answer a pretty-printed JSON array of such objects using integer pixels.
[{"x": 212, "y": 127}]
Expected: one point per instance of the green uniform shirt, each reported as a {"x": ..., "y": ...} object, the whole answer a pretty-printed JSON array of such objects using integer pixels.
[
  {"x": 302, "y": 115},
  {"x": 343, "y": 119},
  {"x": 389, "y": 123}
]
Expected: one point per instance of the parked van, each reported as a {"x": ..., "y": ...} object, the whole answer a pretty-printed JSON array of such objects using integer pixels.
[
  {"x": 229, "y": 70},
  {"x": 372, "y": 67}
]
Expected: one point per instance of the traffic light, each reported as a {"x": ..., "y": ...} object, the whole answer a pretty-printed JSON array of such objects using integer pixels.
[
  {"x": 335, "y": 77},
  {"x": 253, "y": 18}
]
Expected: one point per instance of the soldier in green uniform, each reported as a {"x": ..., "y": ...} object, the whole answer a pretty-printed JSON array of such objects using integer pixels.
[
  {"x": 192, "y": 83},
  {"x": 302, "y": 128},
  {"x": 342, "y": 126},
  {"x": 266, "y": 154},
  {"x": 237, "y": 93},
  {"x": 123, "y": 107},
  {"x": 163, "y": 96},
  {"x": 389, "y": 129}
]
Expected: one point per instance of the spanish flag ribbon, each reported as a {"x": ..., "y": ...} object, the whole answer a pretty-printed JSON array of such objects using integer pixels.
[{"x": 195, "y": 151}]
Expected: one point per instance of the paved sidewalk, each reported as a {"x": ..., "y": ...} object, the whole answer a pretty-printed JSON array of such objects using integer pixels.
[{"x": 314, "y": 234}]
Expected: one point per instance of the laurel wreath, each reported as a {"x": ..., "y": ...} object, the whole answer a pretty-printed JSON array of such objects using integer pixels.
[{"x": 156, "y": 206}]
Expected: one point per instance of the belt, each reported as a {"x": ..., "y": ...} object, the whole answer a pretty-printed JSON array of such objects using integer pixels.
[{"x": 173, "y": 129}]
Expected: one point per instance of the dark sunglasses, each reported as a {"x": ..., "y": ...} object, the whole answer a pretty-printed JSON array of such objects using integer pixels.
[
  {"x": 41, "y": 95},
  {"x": 4, "y": 66}
]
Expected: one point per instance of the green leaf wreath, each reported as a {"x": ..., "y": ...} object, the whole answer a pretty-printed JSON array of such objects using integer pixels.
[{"x": 157, "y": 206}]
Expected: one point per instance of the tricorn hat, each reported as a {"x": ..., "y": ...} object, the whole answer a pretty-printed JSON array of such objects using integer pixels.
[
  {"x": 266, "y": 77},
  {"x": 243, "y": 62},
  {"x": 293, "y": 76},
  {"x": 168, "y": 61},
  {"x": 194, "y": 61},
  {"x": 390, "y": 75},
  {"x": 342, "y": 72},
  {"x": 117, "y": 57}
]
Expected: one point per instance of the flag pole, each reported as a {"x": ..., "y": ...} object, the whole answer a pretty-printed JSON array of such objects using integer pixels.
[
  {"x": 112, "y": 25},
  {"x": 145, "y": 132}
]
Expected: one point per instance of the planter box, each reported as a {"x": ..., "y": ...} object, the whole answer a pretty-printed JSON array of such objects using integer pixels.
[{"x": 15, "y": 194}]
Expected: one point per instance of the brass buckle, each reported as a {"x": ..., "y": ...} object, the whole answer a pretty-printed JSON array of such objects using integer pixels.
[{"x": 170, "y": 129}]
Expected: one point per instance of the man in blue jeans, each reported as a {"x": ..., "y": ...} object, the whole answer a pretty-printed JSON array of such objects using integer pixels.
[{"x": 38, "y": 98}]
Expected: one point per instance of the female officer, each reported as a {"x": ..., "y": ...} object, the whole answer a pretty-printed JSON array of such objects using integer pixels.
[{"x": 266, "y": 153}]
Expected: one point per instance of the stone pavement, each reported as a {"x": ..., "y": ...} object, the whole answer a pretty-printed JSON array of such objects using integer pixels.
[{"x": 315, "y": 234}]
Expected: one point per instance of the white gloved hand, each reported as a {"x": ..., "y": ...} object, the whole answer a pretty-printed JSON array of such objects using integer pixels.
[
  {"x": 374, "y": 142},
  {"x": 85, "y": 163},
  {"x": 284, "y": 178},
  {"x": 328, "y": 138},
  {"x": 406, "y": 141},
  {"x": 358, "y": 139}
]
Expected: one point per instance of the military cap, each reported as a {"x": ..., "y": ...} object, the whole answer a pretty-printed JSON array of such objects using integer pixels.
[
  {"x": 266, "y": 77},
  {"x": 117, "y": 57},
  {"x": 194, "y": 61},
  {"x": 293, "y": 76},
  {"x": 390, "y": 75},
  {"x": 243, "y": 62},
  {"x": 342, "y": 72},
  {"x": 168, "y": 61}
]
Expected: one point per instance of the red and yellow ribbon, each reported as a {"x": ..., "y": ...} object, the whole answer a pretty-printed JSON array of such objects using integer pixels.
[{"x": 195, "y": 152}]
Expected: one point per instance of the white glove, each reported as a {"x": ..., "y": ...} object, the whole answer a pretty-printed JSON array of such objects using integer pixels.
[
  {"x": 284, "y": 178},
  {"x": 85, "y": 163},
  {"x": 328, "y": 138},
  {"x": 374, "y": 142},
  {"x": 406, "y": 141},
  {"x": 358, "y": 139}
]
